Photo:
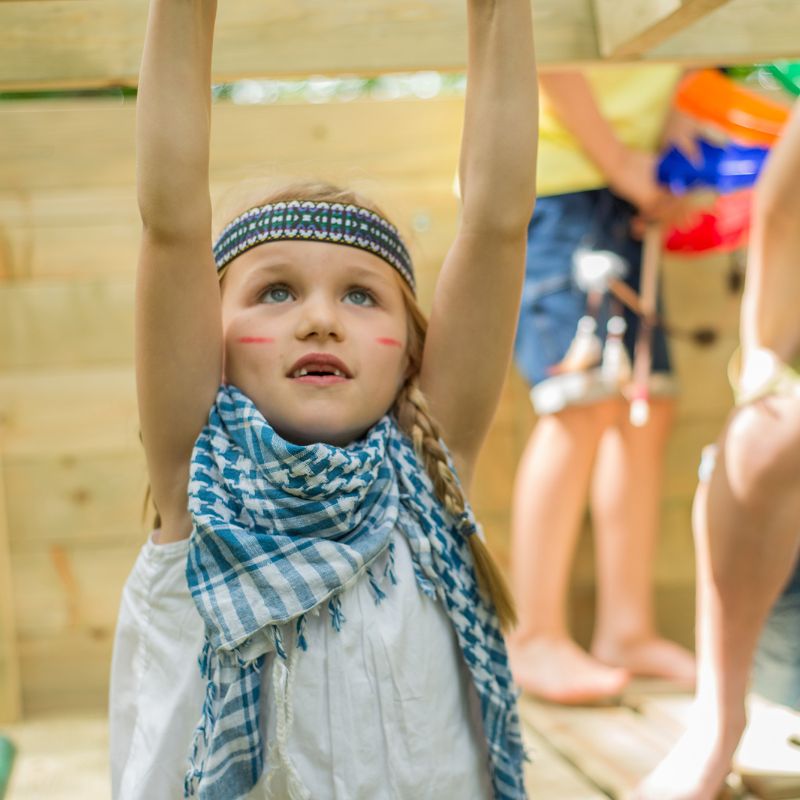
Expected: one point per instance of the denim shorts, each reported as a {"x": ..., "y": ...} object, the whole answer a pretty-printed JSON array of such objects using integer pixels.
[{"x": 552, "y": 304}]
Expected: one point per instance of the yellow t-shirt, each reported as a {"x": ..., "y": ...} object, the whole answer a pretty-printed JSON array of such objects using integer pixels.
[{"x": 634, "y": 99}]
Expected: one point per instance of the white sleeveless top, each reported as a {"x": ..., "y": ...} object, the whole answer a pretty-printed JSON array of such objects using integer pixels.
[{"x": 384, "y": 708}]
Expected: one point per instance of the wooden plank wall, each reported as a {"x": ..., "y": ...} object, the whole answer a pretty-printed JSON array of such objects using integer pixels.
[{"x": 72, "y": 467}]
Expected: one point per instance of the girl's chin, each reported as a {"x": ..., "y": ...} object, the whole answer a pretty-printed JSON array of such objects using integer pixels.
[
  {"x": 318, "y": 432},
  {"x": 336, "y": 438}
]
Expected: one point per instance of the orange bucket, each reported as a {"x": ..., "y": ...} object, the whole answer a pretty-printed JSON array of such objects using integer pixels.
[{"x": 710, "y": 96}]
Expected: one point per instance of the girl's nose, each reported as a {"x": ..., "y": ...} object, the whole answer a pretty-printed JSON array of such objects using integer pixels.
[{"x": 320, "y": 318}]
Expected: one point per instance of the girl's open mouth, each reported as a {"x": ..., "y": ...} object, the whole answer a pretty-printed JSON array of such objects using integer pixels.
[
  {"x": 319, "y": 378},
  {"x": 319, "y": 369}
]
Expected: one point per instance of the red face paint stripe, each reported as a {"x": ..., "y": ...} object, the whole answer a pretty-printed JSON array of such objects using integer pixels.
[
  {"x": 391, "y": 342},
  {"x": 255, "y": 340}
]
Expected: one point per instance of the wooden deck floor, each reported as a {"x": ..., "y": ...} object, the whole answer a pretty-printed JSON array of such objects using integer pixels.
[
  {"x": 596, "y": 753},
  {"x": 578, "y": 753}
]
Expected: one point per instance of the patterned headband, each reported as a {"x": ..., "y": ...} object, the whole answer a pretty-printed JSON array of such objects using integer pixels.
[{"x": 337, "y": 223}]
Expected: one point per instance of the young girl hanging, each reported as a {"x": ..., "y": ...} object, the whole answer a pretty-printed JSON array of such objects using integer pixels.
[{"x": 319, "y": 473}]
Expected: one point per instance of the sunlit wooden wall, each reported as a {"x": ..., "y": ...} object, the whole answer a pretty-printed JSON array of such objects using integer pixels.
[{"x": 71, "y": 468}]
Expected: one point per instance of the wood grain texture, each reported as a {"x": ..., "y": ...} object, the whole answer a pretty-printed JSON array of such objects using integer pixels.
[
  {"x": 93, "y": 499},
  {"x": 66, "y": 324},
  {"x": 86, "y": 43},
  {"x": 63, "y": 412},
  {"x": 407, "y": 140},
  {"x": 71, "y": 588},
  {"x": 61, "y": 757},
  {"x": 550, "y": 775},
  {"x": 10, "y": 684},
  {"x": 94, "y": 43},
  {"x": 644, "y": 24},
  {"x": 614, "y": 747},
  {"x": 76, "y": 233},
  {"x": 741, "y": 31}
]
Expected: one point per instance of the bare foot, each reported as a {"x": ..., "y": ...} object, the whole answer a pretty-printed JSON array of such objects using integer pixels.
[
  {"x": 652, "y": 658},
  {"x": 697, "y": 765},
  {"x": 559, "y": 671}
]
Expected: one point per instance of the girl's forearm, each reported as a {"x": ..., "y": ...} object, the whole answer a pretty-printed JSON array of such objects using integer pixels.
[
  {"x": 173, "y": 117},
  {"x": 498, "y": 154},
  {"x": 778, "y": 191},
  {"x": 771, "y": 298},
  {"x": 772, "y": 287}
]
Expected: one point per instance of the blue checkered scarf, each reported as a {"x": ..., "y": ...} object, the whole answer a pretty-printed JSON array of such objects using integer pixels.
[{"x": 281, "y": 529}]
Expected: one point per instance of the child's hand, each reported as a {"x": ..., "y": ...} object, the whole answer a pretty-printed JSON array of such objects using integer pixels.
[
  {"x": 635, "y": 180},
  {"x": 683, "y": 131}
]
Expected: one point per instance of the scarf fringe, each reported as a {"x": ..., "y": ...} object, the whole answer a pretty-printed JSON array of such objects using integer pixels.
[
  {"x": 337, "y": 616},
  {"x": 278, "y": 759},
  {"x": 377, "y": 592},
  {"x": 202, "y": 732},
  {"x": 336, "y": 613},
  {"x": 277, "y": 640},
  {"x": 388, "y": 570},
  {"x": 300, "y": 632}
]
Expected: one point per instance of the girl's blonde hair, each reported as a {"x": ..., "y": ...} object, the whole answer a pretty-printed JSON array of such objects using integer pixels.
[{"x": 411, "y": 408}]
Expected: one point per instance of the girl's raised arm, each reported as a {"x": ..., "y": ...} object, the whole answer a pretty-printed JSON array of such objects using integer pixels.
[
  {"x": 476, "y": 303},
  {"x": 178, "y": 328},
  {"x": 772, "y": 289}
]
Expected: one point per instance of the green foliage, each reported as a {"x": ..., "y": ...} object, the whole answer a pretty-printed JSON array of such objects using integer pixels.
[
  {"x": 120, "y": 92},
  {"x": 316, "y": 89}
]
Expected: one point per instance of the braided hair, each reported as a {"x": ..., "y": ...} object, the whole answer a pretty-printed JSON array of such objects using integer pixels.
[{"x": 416, "y": 421}]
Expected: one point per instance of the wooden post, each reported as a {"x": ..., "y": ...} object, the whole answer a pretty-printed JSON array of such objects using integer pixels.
[
  {"x": 10, "y": 689},
  {"x": 648, "y": 293}
]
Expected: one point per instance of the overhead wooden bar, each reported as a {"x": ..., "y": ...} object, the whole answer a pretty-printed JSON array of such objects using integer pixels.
[
  {"x": 91, "y": 43},
  {"x": 59, "y": 44}
]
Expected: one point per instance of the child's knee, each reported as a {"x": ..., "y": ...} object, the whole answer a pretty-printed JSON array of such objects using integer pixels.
[{"x": 762, "y": 449}]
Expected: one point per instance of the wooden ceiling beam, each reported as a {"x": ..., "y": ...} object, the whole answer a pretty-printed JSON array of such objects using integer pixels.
[
  {"x": 93, "y": 43},
  {"x": 62, "y": 44}
]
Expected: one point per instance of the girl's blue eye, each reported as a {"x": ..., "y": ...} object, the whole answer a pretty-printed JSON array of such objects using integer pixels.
[
  {"x": 360, "y": 297},
  {"x": 276, "y": 294}
]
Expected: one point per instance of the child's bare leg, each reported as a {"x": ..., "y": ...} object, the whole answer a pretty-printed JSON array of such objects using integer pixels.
[
  {"x": 746, "y": 539},
  {"x": 626, "y": 508},
  {"x": 549, "y": 500}
]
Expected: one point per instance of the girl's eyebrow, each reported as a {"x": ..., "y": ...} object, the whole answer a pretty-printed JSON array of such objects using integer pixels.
[
  {"x": 258, "y": 273},
  {"x": 365, "y": 274},
  {"x": 354, "y": 273}
]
